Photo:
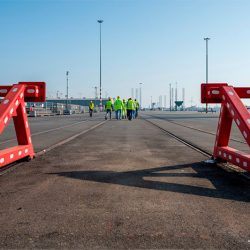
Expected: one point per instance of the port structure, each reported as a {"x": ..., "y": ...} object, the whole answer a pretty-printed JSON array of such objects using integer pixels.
[
  {"x": 13, "y": 106},
  {"x": 232, "y": 109}
]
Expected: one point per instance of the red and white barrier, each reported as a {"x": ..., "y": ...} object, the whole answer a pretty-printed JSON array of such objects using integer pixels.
[
  {"x": 232, "y": 109},
  {"x": 13, "y": 106}
]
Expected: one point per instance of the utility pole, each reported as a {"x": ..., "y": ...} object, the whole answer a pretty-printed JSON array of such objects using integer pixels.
[
  {"x": 96, "y": 95},
  {"x": 183, "y": 97},
  {"x": 96, "y": 92},
  {"x": 176, "y": 95},
  {"x": 170, "y": 97},
  {"x": 206, "y": 39},
  {"x": 67, "y": 89},
  {"x": 136, "y": 94},
  {"x": 100, "y": 22},
  {"x": 160, "y": 101},
  {"x": 140, "y": 96}
]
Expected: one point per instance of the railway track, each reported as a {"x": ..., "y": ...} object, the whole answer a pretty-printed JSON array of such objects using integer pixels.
[
  {"x": 203, "y": 131},
  {"x": 226, "y": 166},
  {"x": 178, "y": 138},
  {"x": 195, "y": 129}
]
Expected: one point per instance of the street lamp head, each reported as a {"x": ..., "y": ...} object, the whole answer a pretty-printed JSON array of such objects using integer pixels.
[
  {"x": 100, "y": 21},
  {"x": 206, "y": 38},
  {"x": 67, "y": 73}
]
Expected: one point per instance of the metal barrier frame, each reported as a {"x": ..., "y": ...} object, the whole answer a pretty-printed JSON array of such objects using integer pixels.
[
  {"x": 13, "y": 106},
  {"x": 232, "y": 109}
]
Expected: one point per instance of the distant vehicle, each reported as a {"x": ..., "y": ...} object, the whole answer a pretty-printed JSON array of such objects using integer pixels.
[{"x": 67, "y": 112}]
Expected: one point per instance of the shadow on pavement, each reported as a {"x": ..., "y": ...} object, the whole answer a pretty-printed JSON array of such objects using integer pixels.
[{"x": 227, "y": 185}]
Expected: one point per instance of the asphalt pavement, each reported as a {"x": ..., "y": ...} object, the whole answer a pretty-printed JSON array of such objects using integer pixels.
[
  {"x": 198, "y": 128},
  {"x": 125, "y": 184},
  {"x": 49, "y": 130}
]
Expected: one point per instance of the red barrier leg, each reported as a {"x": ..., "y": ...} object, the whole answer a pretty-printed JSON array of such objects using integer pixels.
[
  {"x": 223, "y": 130},
  {"x": 13, "y": 105},
  {"x": 232, "y": 109}
]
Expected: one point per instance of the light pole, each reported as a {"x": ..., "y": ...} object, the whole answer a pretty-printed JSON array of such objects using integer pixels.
[
  {"x": 206, "y": 39},
  {"x": 140, "y": 96},
  {"x": 100, "y": 22},
  {"x": 170, "y": 97},
  {"x": 67, "y": 90},
  {"x": 96, "y": 94}
]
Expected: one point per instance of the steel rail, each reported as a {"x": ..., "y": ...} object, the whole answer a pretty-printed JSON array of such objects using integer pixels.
[
  {"x": 203, "y": 131},
  {"x": 178, "y": 138},
  {"x": 227, "y": 167},
  {"x": 196, "y": 129}
]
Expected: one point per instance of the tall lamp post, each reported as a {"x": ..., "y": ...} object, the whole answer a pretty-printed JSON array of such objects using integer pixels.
[
  {"x": 140, "y": 96},
  {"x": 206, "y": 39},
  {"x": 100, "y": 22},
  {"x": 96, "y": 95},
  {"x": 170, "y": 97},
  {"x": 67, "y": 89}
]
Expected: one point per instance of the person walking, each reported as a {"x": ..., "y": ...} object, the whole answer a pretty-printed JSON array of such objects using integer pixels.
[
  {"x": 137, "y": 105},
  {"x": 118, "y": 108},
  {"x": 91, "y": 108},
  {"x": 133, "y": 109},
  {"x": 108, "y": 107},
  {"x": 124, "y": 109},
  {"x": 130, "y": 107}
]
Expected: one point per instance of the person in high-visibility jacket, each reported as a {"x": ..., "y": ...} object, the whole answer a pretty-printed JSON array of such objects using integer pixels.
[
  {"x": 118, "y": 108},
  {"x": 124, "y": 109},
  {"x": 130, "y": 108},
  {"x": 133, "y": 110},
  {"x": 108, "y": 107},
  {"x": 91, "y": 108},
  {"x": 137, "y": 105}
]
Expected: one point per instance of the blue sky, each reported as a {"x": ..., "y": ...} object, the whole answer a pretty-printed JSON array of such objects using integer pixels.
[{"x": 153, "y": 42}]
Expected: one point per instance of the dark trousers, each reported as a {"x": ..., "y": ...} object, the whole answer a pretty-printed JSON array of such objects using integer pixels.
[
  {"x": 129, "y": 114},
  {"x": 90, "y": 112},
  {"x": 110, "y": 112}
]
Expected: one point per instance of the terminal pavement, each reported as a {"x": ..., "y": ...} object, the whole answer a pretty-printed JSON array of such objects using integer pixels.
[
  {"x": 46, "y": 131},
  {"x": 123, "y": 185}
]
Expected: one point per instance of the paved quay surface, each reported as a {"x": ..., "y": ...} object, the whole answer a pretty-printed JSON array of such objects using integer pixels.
[
  {"x": 46, "y": 131},
  {"x": 123, "y": 185},
  {"x": 197, "y": 128}
]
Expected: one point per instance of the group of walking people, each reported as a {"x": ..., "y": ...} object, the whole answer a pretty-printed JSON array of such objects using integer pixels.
[{"x": 123, "y": 109}]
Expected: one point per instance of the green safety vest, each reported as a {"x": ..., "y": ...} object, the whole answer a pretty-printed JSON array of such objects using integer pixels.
[
  {"x": 108, "y": 105},
  {"x": 124, "y": 107},
  {"x": 118, "y": 104},
  {"x": 91, "y": 105},
  {"x": 130, "y": 105},
  {"x": 137, "y": 104}
]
